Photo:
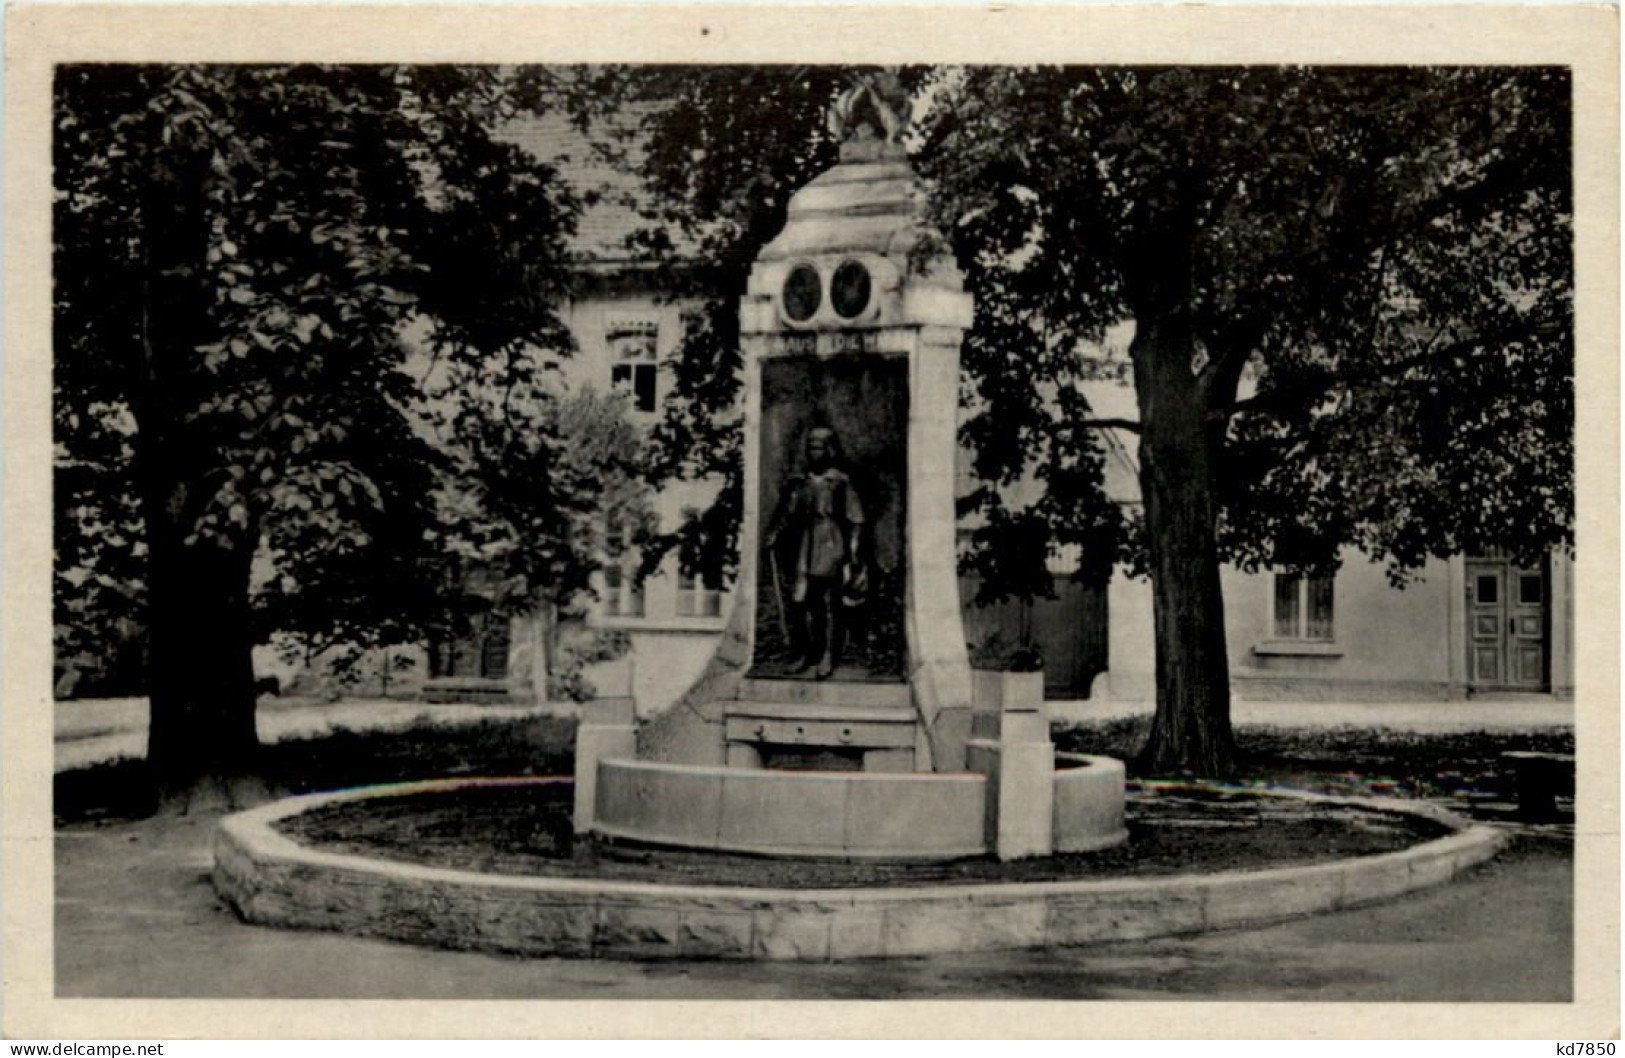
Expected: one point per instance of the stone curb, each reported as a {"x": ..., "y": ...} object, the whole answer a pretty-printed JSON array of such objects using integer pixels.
[{"x": 271, "y": 880}]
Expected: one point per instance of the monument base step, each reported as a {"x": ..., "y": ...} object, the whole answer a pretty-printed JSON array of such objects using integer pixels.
[{"x": 794, "y": 724}]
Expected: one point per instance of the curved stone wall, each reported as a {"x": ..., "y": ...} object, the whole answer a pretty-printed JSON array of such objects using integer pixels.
[
  {"x": 849, "y": 815},
  {"x": 274, "y": 881},
  {"x": 843, "y": 815},
  {"x": 1089, "y": 802}
]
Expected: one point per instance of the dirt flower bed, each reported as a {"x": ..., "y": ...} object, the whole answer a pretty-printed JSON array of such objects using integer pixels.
[{"x": 526, "y": 831}]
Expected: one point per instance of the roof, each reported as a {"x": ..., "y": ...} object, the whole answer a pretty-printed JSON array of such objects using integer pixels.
[{"x": 612, "y": 194}]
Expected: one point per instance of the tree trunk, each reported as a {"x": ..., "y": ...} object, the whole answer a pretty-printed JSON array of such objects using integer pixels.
[
  {"x": 201, "y": 739},
  {"x": 548, "y": 613},
  {"x": 1190, "y": 733},
  {"x": 543, "y": 650}
]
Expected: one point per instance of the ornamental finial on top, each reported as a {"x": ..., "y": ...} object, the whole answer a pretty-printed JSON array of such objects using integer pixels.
[{"x": 875, "y": 106}]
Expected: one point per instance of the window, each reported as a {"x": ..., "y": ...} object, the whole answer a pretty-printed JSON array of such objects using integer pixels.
[
  {"x": 494, "y": 650},
  {"x": 638, "y": 380},
  {"x": 623, "y": 595},
  {"x": 697, "y": 597},
  {"x": 623, "y": 591},
  {"x": 480, "y": 654},
  {"x": 1303, "y": 607},
  {"x": 633, "y": 348}
]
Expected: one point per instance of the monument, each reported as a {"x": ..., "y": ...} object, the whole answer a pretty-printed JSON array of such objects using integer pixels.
[{"x": 844, "y": 658}]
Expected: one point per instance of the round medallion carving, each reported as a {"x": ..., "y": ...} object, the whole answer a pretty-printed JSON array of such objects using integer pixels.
[
  {"x": 849, "y": 289},
  {"x": 803, "y": 293}
]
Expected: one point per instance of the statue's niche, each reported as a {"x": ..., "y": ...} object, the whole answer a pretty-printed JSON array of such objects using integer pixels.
[{"x": 832, "y": 564}]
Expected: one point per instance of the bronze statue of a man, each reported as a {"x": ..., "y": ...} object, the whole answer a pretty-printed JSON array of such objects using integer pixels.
[{"x": 817, "y": 544}]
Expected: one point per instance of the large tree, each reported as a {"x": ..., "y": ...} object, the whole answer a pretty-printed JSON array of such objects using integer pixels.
[
  {"x": 1349, "y": 294},
  {"x": 245, "y": 259},
  {"x": 1351, "y": 298}
]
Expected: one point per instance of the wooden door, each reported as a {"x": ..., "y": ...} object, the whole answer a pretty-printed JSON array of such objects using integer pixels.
[
  {"x": 1506, "y": 625},
  {"x": 1527, "y": 628}
]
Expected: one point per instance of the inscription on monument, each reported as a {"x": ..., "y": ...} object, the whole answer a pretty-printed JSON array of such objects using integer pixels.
[
  {"x": 806, "y": 343},
  {"x": 796, "y": 343},
  {"x": 854, "y": 342}
]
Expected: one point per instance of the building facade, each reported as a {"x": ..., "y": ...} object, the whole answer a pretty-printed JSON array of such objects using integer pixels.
[{"x": 1467, "y": 626}]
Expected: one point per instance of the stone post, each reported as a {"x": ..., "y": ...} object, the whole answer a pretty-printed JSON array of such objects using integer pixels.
[
  {"x": 1024, "y": 786},
  {"x": 1019, "y": 762},
  {"x": 608, "y": 730}
]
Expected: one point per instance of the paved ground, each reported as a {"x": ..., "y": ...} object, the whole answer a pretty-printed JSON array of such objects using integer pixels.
[
  {"x": 136, "y": 916},
  {"x": 103, "y": 729}
]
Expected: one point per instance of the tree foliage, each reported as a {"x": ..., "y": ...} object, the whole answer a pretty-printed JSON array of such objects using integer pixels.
[
  {"x": 1379, "y": 284},
  {"x": 1351, "y": 292},
  {"x": 548, "y": 491},
  {"x": 246, "y": 257}
]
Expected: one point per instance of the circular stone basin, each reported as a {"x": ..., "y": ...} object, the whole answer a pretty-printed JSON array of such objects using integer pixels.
[
  {"x": 918, "y": 816},
  {"x": 491, "y": 865}
]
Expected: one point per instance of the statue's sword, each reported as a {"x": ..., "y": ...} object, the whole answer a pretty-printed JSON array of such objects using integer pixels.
[{"x": 778, "y": 594}]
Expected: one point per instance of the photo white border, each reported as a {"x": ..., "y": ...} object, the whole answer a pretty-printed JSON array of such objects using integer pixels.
[{"x": 39, "y": 36}]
